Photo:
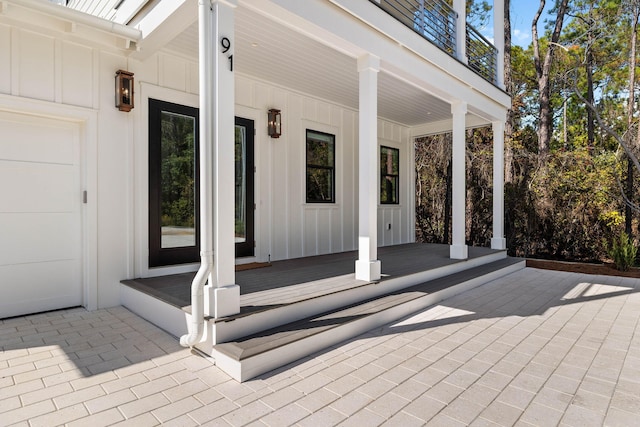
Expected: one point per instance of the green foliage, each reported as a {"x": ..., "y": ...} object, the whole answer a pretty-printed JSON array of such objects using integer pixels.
[
  {"x": 178, "y": 171},
  {"x": 623, "y": 252},
  {"x": 562, "y": 211},
  {"x": 478, "y": 12},
  {"x": 612, "y": 218},
  {"x": 569, "y": 204}
]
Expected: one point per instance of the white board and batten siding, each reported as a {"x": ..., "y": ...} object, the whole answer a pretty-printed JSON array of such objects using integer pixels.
[
  {"x": 54, "y": 126},
  {"x": 291, "y": 227}
]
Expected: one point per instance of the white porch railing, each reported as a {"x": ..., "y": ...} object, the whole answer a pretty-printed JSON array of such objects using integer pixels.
[{"x": 435, "y": 20}]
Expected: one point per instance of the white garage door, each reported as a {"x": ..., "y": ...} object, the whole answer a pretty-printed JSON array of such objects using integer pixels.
[{"x": 40, "y": 215}]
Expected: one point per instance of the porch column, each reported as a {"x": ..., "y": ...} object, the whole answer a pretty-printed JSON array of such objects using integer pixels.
[
  {"x": 224, "y": 295},
  {"x": 460, "y": 7},
  {"x": 498, "y": 40},
  {"x": 458, "y": 249},
  {"x": 498, "y": 241},
  {"x": 367, "y": 266}
]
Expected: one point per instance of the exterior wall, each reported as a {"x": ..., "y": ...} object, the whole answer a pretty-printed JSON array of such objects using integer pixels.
[
  {"x": 396, "y": 222},
  {"x": 77, "y": 77},
  {"x": 287, "y": 226},
  {"x": 71, "y": 78}
]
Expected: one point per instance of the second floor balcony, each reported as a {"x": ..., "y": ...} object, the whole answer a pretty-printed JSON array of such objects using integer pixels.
[{"x": 437, "y": 21}]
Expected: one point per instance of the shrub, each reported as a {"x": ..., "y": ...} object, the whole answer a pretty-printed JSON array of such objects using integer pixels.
[{"x": 623, "y": 252}]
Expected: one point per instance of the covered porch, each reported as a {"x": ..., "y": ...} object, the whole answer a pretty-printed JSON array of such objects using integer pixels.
[{"x": 390, "y": 102}]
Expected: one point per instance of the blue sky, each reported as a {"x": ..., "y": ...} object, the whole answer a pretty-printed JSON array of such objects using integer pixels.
[{"x": 522, "y": 12}]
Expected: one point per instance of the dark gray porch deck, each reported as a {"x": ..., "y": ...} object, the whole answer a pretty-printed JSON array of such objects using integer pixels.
[{"x": 288, "y": 281}]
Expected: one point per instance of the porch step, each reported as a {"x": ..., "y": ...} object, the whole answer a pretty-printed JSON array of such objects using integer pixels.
[{"x": 256, "y": 354}]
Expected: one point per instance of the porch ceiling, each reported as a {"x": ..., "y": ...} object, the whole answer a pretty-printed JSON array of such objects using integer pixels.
[{"x": 272, "y": 52}]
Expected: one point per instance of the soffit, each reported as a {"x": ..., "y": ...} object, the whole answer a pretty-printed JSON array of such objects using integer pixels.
[{"x": 271, "y": 52}]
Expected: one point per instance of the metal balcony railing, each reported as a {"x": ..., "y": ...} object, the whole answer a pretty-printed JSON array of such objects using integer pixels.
[
  {"x": 435, "y": 20},
  {"x": 482, "y": 55}
]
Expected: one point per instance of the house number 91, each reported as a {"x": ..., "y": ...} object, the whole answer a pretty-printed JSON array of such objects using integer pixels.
[{"x": 226, "y": 45}]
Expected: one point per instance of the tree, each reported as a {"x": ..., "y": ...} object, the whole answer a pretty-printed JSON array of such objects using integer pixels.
[
  {"x": 508, "y": 83},
  {"x": 543, "y": 70},
  {"x": 634, "y": 7},
  {"x": 601, "y": 28}
]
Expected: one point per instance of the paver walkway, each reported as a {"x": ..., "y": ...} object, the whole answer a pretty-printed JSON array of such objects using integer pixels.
[{"x": 534, "y": 348}]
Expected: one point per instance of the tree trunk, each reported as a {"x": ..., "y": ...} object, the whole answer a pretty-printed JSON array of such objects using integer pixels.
[
  {"x": 590, "y": 121},
  {"x": 510, "y": 124},
  {"x": 589, "y": 72},
  {"x": 628, "y": 212},
  {"x": 543, "y": 71}
]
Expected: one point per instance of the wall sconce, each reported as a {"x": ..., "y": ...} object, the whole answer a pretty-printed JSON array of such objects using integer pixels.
[
  {"x": 274, "y": 127},
  {"x": 124, "y": 90}
]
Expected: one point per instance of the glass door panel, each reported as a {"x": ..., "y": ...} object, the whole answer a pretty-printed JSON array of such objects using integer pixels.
[
  {"x": 177, "y": 181},
  {"x": 241, "y": 184},
  {"x": 244, "y": 188}
]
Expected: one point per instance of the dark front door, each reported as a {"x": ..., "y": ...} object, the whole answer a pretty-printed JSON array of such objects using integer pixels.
[
  {"x": 174, "y": 235},
  {"x": 244, "y": 188}
]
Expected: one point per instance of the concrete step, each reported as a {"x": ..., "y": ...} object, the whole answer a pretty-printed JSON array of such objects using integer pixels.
[{"x": 250, "y": 356}]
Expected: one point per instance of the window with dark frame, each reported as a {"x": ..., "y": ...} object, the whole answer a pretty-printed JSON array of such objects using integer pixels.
[
  {"x": 389, "y": 175},
  {"x": 321, "y": 159}
]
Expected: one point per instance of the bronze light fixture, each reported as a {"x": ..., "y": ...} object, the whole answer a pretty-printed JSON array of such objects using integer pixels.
[
  {"x": 274, "y": 120},
  {"x": 124, "y": 90}
]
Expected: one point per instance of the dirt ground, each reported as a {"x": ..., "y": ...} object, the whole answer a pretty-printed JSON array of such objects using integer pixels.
[{"x": 577, "y": 267}]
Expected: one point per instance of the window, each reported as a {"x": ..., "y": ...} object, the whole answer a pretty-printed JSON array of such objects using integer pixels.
[
  {"x": 174, "y": 237},
  {"x": 321, "y": 160},
  {"x": 389, "y": 175}
]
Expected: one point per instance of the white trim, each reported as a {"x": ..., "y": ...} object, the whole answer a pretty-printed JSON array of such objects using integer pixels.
[
  {"x": 87, "y": 119},
  {"x": 498, "y": 240},
  {"x": 72, "y": 16},
  {"x": 458, "y": 192},
  {"x": 411, "y": 189},
  {"x": 368, "y": 266}
]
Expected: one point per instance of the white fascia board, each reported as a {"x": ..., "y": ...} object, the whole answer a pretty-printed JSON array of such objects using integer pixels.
[
  {"x": 73, "y": 16},
  {"x": 413, "y": 61},
  {"x": 162, "y": 24},
  {"x": 71, "y": 24},
  {"x": 443, "y": 126}
]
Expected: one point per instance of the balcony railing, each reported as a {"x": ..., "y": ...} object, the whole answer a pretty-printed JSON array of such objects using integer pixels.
[
  {"x": 481, "y": 54},
  {"x": 435, "y": 20}
]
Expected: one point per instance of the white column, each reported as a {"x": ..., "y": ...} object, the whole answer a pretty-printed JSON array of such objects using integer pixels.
[
  {"x": 498, "y": 241},
  {"x": 225, "y": 294},
  {"x": 458, "y": 249},
  {"x": 460, "y": 7},
  {"x": 498, "y": 40},
  {"x": 367, "y": 266}
]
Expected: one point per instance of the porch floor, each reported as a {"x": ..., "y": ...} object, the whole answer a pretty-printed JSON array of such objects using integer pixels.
[{"x": 289, "y": 281}]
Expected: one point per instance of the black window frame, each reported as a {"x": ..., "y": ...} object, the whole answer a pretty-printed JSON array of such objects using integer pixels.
[
  {"x": 247, "y": 248},
  {"x": 384, "y": 175},
  {"x": 331, "y": 168},
  {"x": 159, "y": 256}
]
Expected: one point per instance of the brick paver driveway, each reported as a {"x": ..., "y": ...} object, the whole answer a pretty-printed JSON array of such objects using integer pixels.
[{"x": 534, "y": 348}]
